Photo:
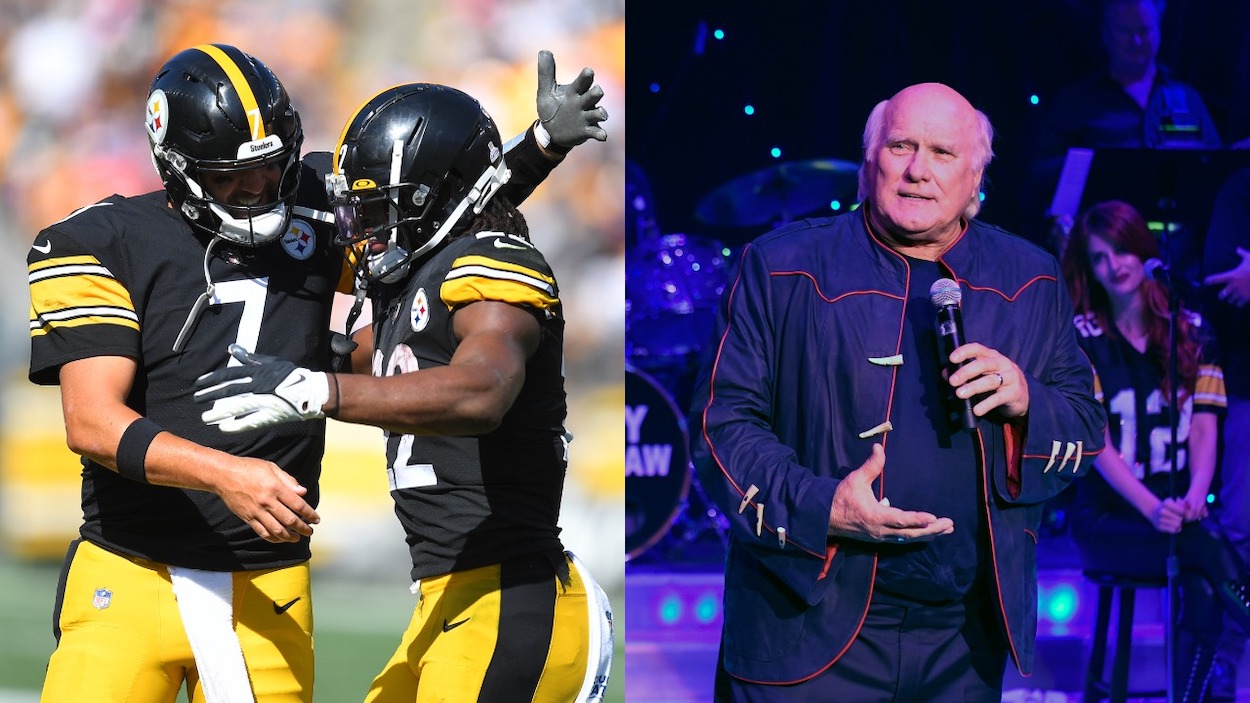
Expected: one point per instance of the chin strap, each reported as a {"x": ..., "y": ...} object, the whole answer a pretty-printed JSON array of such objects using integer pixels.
[
  {"x": 200, "y": 303},
  {"x": 342, "y": 344}
]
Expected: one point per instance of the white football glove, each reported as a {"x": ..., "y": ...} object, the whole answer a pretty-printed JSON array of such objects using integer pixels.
[{"x": 263, "y": 391}]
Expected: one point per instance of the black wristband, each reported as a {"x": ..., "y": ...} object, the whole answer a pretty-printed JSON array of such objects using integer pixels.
[{"x": 132, "y": 449}]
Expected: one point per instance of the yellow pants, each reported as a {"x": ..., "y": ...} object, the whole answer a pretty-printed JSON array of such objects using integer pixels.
[
  {"x": 121, "y": 637},
  {"x": 506, "y": 632}
]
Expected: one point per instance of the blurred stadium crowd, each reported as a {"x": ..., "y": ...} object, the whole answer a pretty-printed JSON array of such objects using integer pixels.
[{"x": 73, "y": 83}]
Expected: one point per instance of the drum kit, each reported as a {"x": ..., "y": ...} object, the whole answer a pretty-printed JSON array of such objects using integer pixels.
[{"x": 672, "y": 288}]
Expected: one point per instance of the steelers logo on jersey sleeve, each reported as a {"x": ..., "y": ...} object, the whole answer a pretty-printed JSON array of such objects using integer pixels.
[
  {"x": 299, "y": 240},
  {"x": 420, "y": 313}
]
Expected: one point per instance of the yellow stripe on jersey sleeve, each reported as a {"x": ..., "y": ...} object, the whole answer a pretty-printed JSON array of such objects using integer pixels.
[
  {"x": 1209, "y": 388},
  {"x": 474, "y": 278},
  {"x": 76, "y": 290}
]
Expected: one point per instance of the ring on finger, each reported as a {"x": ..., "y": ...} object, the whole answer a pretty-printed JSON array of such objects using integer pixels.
[{"x": 1000, "y": 379}]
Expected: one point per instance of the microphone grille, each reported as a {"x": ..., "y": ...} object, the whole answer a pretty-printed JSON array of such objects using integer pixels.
[{"x": 945, "y": 292}]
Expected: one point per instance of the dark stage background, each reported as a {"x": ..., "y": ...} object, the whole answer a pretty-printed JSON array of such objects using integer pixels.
[{"x": 814, "y": 70}]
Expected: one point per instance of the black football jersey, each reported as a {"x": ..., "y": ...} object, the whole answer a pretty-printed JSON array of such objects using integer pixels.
[
  {"x": 470, "y": 501},
  {"x": 1129, "y": 385},
  {"x": 119, "y": 278}
]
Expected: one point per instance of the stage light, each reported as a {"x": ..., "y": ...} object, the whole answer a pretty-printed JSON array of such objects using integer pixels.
[
  {"x": 835, "y": 205},
  {"x": 1033, "y": 100},
  {"x": 706, "y": 608},
  {"x": 1061, "y": 603},
  {"x": 670, "y": 609},
  {"x": 655, "y": 87},
  {"x": 749, "y": 109},
  {"x": 719, "y": 34},
  {"x": 776, "y": 152}
]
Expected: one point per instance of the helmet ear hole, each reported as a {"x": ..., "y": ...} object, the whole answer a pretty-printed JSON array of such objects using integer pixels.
[{"x": 419, "y": 195}]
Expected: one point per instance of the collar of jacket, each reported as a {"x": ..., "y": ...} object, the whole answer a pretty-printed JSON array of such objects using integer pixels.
[{"x": 957, "y": 255}]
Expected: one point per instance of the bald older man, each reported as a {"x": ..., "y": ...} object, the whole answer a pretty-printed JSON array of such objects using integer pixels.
[{"x": 881, "y": 549}]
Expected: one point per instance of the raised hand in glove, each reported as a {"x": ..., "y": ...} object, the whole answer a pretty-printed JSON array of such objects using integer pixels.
[
  {"x": 263, "y": 391},
  {"x": 569, "y": 114}
]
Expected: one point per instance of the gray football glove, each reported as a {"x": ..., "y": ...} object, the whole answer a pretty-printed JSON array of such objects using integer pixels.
[
  {"x": 569, "y": 113},
  {"x": 263, "y": 391}
]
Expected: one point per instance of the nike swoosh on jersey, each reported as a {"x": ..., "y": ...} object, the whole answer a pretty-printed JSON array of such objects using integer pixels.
[
  {"x": 280, "y": 609},
  {"x": 45, "y": 249},
  {"x": 449, "y": 627},
  {"x": 501, "y": 244}
]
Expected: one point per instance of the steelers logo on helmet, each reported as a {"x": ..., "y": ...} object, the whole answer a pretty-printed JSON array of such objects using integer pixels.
[
  {"x": 420, "y": 312},
  {"x": 299, "y": 241},
  {"x": 157, "y": 116}
]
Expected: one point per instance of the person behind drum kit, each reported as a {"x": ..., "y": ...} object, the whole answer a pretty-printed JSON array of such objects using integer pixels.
[{"x": 861, "y": 568}]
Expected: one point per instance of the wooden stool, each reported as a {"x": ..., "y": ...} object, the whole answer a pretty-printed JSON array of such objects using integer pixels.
[{"x": 1116, "y": 688}]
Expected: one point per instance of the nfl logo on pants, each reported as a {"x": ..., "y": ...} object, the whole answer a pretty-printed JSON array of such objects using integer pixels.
[{"x": 102, "y": 598}]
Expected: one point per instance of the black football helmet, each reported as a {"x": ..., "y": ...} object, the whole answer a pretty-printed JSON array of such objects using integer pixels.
[
  {"x": 410, "y": 164},
  {"x": 214, "y": 109}
]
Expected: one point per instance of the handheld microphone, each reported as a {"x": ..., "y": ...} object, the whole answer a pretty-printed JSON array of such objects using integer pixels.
[{"x": 946, "y": 296}]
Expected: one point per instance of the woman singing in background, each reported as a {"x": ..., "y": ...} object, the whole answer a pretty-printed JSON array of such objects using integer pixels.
[{"x": 1124, "y": 512}]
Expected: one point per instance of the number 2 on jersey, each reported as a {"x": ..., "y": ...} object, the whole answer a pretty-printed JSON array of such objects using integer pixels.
[{"x": 403, "y": 473}]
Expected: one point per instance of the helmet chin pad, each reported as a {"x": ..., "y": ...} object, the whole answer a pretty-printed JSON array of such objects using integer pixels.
[
  {"x": 390, "y": 266},
  {"x": 252, "y": 231}
]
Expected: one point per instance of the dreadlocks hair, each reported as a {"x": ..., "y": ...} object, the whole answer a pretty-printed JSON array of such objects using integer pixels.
[{"x": 499, "y": 215}]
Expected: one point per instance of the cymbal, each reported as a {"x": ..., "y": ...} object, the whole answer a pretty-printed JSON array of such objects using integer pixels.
[{"x": 778, "y": 193}]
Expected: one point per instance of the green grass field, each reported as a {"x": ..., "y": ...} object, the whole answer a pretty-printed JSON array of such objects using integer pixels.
[{"x": 358, "y": 625}]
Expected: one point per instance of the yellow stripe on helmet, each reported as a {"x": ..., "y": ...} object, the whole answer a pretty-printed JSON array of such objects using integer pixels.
[
  {"x": 337, "y": 166},
  {"x": 241, "y": 87}
]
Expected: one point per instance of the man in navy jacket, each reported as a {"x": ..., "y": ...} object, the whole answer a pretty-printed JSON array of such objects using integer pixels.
[{"x": 879, "y": 551}]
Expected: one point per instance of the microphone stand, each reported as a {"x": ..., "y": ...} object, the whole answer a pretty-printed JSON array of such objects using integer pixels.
[{"x": 1173, "y": 564}]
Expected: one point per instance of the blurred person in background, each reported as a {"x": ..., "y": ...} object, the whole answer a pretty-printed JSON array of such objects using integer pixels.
[
  {"x": 179, "y": 520},
  {"x": 1131, "y": 102},
  {"x": 1226, "y": 259},
  {"x": 1124, "y": 513},
  {"x": 468, "y": 383}
]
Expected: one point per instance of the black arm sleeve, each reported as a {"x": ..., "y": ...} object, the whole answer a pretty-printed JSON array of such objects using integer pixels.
[{"x": 529, "y": 168}]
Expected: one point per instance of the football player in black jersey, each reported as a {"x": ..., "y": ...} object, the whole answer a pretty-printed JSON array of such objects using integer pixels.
[
  {"x": 466, "y": 353},
  {"x": 192, "y": 562},
  {"x": 1123, "y": 513}
]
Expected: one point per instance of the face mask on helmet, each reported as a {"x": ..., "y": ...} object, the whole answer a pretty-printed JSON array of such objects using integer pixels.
[
  {"x": 226, "y": 142},
  {"x": 415, "y": 163}
]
